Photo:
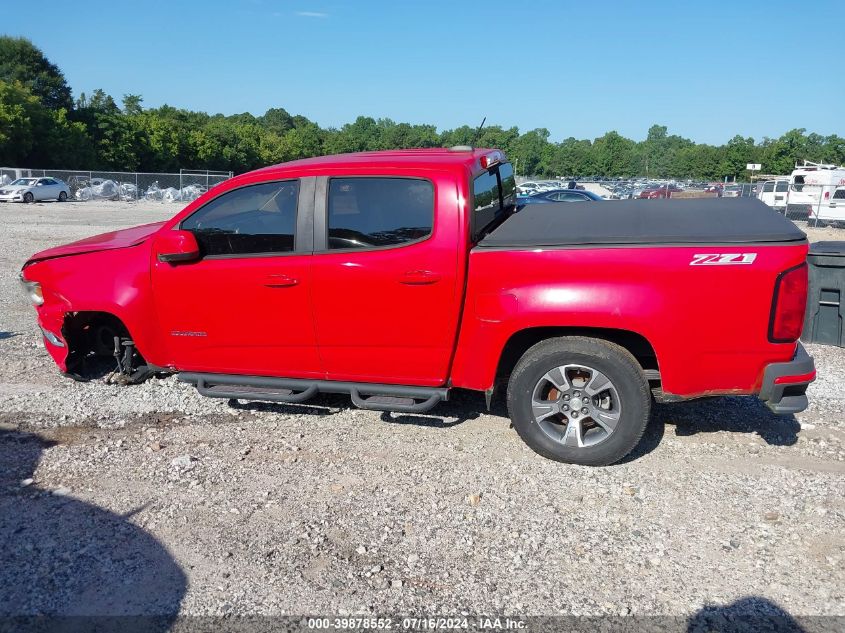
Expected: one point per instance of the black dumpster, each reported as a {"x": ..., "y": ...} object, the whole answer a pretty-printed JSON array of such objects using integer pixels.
[{"x": 825, "y": 306}]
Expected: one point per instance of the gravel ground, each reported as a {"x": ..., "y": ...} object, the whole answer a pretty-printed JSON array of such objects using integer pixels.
[{"x": 151, "y": 499}]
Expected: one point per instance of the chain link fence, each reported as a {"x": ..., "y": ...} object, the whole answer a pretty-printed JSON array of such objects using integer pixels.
[
  {"x": 816, "y": 204},
  {"x": 184, "y": 186}
]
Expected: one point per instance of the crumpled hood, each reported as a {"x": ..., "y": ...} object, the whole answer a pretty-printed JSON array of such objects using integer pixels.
[{"x": 103, "y": 242}]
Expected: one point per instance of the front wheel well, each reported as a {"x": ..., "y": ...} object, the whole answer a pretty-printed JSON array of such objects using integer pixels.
[
  {"x": 90, "y": 336},
  {"x": 520, "y": 342}
]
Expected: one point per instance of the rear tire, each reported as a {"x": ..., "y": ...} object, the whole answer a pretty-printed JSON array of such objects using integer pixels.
[
  {"x": 605, "y": 382},
  {"x": 63, "y": 196},
  {"x": 28, "y": 197}
]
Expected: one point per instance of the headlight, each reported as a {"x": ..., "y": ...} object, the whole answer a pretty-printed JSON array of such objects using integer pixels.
[{"x": 33, "y": 291}]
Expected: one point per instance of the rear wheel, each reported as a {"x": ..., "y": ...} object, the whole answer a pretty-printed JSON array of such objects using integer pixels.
[
  {"x": 63, "y": 196},
  {"x": 28, "y": 197},
  {"x": 579, "y": 400}
]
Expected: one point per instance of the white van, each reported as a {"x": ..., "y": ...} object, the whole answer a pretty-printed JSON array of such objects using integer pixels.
[
  {"x": 774, "y": 192},
  {"x": 811, "y": 185}
]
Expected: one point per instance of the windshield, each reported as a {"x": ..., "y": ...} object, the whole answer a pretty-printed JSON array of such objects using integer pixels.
[{"x": 24, "y": 181}]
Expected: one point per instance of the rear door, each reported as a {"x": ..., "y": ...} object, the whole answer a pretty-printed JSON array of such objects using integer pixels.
[
  {"x": 44, "y": 189},
  {"x": 385, "y": 269},
  {"x": 767, "y": 193},
  {"x": 780, "y": 194},
  {"x": 244, "y": 307}
]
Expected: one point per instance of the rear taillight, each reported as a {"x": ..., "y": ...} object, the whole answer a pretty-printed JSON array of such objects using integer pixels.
[{"x": 789, "y": 305}]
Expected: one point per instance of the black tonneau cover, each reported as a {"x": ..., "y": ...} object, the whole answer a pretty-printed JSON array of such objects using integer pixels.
[{"x": 621, "y": 222}]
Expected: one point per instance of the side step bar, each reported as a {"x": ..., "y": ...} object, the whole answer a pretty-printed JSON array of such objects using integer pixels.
[{"x": 401, "y": 398}]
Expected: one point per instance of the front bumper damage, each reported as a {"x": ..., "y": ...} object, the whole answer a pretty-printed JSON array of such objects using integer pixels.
[{"x": 784, "y": 388}]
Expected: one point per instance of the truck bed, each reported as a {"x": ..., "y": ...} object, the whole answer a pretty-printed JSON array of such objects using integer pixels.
[{"x": 644, "y": 222}]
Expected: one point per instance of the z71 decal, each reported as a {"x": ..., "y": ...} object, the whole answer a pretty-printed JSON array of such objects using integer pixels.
[{"x": 715, "y": 259}]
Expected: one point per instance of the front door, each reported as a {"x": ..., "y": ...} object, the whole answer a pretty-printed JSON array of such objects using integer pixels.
[
  {"x": 385, "y": 291},
  {"x": 244, "y": 306}
]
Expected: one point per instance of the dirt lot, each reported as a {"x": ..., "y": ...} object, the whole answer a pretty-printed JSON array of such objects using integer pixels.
[{"x": 149, "y": 499}]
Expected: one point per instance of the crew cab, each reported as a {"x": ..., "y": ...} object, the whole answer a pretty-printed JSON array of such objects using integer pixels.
[{"x": 398, "y": 276}]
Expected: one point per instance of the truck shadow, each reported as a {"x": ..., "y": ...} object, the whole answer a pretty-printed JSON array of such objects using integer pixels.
[
  {"x": 712, "y": 415},
  {"x": 751, "y": 613},
  {"x": 74, "y": 565},
  {"x": 732, "y": 414},
  {"x": 5, "y": 335},
  {"x": 462, "y": 407},
  {"x": 650, "y": 440},
  {"x": 322, "y": 404}
]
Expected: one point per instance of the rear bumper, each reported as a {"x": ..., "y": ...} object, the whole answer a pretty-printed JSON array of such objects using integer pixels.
[{"x": 785, "y": 384}]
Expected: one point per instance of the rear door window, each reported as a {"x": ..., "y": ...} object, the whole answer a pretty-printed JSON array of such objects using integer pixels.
[
  {"x": 379, "y": 212},
  {"x": 508, "y": 180},
  {"x": 782, "y": 186},
  {"x": 494, "y": 193},
  {"x": 486, "y": 190},
  {"x": 768, "y": 187},
  {"x": 252, "y": 220},
  {"x": 573, "y": 197}
]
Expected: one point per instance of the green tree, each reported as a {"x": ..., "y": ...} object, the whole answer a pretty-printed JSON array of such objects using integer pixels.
[
  {"x": 132, "y": 104},
  {"x": 21, "y": 60},
  {"x": 33, "y": 135},
  {"x": 614, "y": 155},
  {"x": 531, "y": 152},
  {"x": 736, "y": 155}
]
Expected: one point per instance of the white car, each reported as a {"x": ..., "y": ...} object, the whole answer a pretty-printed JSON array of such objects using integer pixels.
[{"x": 32, "y": 189}]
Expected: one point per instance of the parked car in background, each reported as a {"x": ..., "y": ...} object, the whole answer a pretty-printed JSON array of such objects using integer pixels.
[
  {"x": 662, "y": 191},
  {"x": 531, "y": 187},
  {"x": 774, "y": 193},
  {"x": 559, "y": 195},
  {"x": 32, "y": 189}
]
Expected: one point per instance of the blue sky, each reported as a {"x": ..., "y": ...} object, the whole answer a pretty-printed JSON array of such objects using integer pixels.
[{"x": 707, "y": 70}]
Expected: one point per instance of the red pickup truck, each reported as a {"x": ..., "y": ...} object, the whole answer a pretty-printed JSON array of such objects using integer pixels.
[{"x": 397, "y": 276}]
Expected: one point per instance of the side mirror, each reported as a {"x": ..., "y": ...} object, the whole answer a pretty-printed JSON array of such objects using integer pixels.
[{"x": 176, "y": 246}]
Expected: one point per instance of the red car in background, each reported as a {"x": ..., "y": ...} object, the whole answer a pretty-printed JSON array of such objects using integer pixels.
[{"x": 663, "y": 191}]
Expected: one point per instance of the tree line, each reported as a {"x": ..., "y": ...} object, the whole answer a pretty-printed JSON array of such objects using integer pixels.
[{"x": 42, "y": 126}]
